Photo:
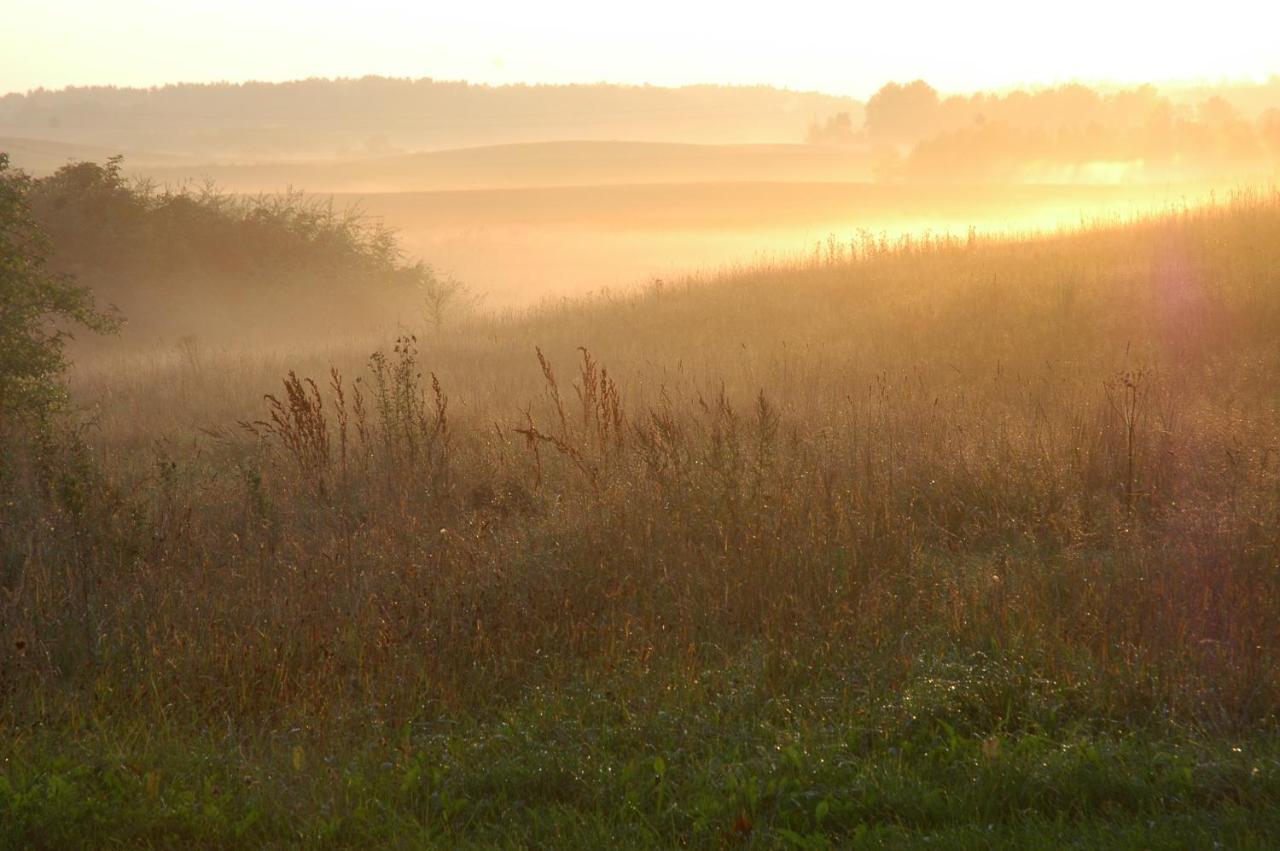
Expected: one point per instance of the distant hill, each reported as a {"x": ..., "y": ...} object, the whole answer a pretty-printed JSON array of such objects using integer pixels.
[
  {"x": 378, "y": 116},
  {"x": 44, "y": 156},
  {"x": 566, "y": 163},
  {"x": 822, "y": 208}
]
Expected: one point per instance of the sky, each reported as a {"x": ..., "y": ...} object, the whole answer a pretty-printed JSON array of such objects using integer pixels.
[{"x": 840, "y": 47}]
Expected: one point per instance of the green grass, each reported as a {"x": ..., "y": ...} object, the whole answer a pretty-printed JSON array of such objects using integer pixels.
[{"x": 649, "y": 760}]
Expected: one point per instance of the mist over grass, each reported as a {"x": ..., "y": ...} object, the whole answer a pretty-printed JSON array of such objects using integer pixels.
[{"x": 956, "y": 539}]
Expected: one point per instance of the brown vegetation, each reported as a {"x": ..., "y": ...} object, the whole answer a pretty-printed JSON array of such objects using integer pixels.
[{"x": 1058, "y": 451}]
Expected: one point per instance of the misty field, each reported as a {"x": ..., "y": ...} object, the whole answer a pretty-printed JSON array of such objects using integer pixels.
[
  {"x": 527, "y": 244},
  {"x": 962, "y": 542}
]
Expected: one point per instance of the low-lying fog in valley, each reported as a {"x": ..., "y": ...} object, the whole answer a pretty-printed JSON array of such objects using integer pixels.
[
  {"x": 529, "y": 194},
  {"x": 521, "y": 246}
]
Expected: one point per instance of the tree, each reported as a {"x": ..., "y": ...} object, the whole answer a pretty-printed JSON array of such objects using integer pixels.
[
  {"x": 903, "y": 114},
  {"x": 439, "y": 295},
  {"x": 836, "y": 130},
  {"x": 38, "y": 307}
]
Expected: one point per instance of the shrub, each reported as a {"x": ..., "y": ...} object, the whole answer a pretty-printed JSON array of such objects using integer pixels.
[{"x": 37, "y": 307}]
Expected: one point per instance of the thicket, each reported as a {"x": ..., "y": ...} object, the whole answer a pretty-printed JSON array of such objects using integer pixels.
[
  {"x": 170, "y": 254},
  {"x": 37, "y": 306},
  {"x": 113, "y": 230}
]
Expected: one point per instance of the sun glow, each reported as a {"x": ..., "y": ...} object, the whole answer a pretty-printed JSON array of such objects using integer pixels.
[{"x": 843, "y": 48}]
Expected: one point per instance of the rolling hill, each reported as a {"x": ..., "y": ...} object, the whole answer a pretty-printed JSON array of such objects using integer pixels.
[{"x": 537, "y": 164}]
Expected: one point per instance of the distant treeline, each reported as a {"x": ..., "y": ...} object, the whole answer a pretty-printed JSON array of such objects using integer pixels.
[
  {"x": 149, "y": 250},
  {"x": 1069, "y": 132},
  {"x": 376, "y": 115}
]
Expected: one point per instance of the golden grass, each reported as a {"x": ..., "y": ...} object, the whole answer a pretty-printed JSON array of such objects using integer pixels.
[{"x": 1059, "y": 450}]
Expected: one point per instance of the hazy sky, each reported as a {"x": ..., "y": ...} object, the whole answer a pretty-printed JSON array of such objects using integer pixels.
[{"x": 845, "y": 47}]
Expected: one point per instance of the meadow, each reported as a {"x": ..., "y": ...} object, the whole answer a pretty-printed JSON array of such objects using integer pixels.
[
  {"x": 947, "y": 541},
  {"x": 523, "y": 245}
]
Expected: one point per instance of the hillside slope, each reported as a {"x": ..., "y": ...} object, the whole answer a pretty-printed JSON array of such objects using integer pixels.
[
  {"x": 372, "y": 115},
  {"x": 44, "y": 156},
  {"x": 536, "y": 164}
]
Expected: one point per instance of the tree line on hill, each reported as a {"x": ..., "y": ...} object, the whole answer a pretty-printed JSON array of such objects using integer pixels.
[
  {"x": 381, "y": 115},
  {"x": 1069, "y": 132}
]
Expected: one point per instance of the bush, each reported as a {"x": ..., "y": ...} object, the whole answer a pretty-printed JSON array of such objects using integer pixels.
[
  {"x": 37, "y": 307},
  {"x": 133, "y": 231},
  {"x": 193, "y": 260}
]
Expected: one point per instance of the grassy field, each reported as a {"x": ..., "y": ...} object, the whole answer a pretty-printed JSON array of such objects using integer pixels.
[
  {"x": 533, "y": 165},
  {"x": 962, "y": 543},
  {"x": 522, "y": 245},
  {"x": 527, "y": 222}
]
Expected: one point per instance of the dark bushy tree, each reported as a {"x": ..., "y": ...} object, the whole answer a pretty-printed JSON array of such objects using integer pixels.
[
  {"x": 38, "y": 307},
  {"x": 116, "y": 234}
]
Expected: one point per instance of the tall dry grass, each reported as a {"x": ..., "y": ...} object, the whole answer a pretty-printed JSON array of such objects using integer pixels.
[{"x": 1060, "y": 452}]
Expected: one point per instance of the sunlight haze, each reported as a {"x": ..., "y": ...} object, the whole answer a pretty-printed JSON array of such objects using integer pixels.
[
  {"x": 842, "y": 48},
  {"x": 588, "y": 425}
]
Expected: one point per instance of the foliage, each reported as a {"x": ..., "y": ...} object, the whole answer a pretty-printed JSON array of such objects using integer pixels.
[
  {"x": 440, "y": 296},
  {"x": 36, "y": 306},
  {"x": 641, "y": 761},
  {"x": 126, "y": 232},
  {"x": 184, "y": 260},
  {"x": 1062, "y": 133}
]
